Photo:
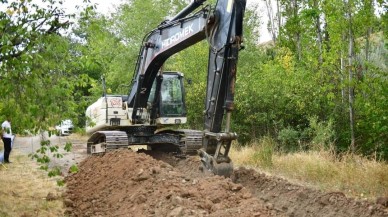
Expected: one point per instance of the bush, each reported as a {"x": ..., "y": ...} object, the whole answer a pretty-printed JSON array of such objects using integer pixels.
[
  {"x": 289, "y": 139},
  {"x": 322, "y": 134},
  {"x": 264, "y": 151}
]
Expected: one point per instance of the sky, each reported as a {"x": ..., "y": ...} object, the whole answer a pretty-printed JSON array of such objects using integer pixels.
[
  {"x": 107, "y": 6},
  {"x": 103, "y": 6}
]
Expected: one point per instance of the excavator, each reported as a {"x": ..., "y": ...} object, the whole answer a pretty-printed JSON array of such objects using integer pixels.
[{"x": 156, "y": 98}]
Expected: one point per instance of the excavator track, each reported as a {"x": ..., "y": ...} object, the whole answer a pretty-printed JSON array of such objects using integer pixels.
[
  {"x": 103, "y": 141},
  {"x": 191, "y": 141},
  {"x": 182, "y": 142}
]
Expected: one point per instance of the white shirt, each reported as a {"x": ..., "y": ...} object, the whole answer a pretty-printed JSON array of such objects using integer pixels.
[{"x": 6, "y": 126}]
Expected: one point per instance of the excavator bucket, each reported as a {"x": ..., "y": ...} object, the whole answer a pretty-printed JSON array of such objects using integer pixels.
[
  {"x": 223, "y": 169},
  {"x": 209, "y": 164}
]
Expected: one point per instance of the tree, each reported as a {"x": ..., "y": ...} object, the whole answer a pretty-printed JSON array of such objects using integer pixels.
[
  {"x": 23, "y": 24},
  {"x": 37, "y": 80},
  {"x": 292, "y": 28}
]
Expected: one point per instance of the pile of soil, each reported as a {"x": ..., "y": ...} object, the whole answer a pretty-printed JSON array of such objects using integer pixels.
[{"x": 126, "y": 183}]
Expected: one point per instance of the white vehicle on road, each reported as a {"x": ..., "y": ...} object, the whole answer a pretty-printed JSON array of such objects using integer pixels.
[{"x": 65, "y": 128}]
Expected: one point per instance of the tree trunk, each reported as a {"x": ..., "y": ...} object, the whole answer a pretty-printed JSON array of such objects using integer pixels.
[
  {"x": 279, "y": 15},
  {"x": 342, "y": 75},
  {"x": 367, "y": 47},
  {"x": 319, "y": 33},
  {"x": 368, "y": 4},
  {"x": 297, "y": 34},
  {"x": 271, "y": 20},
  {"x": 351, "y": 85}
]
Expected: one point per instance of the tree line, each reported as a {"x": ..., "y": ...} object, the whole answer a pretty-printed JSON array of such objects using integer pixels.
[{"x": 321, "y": 82}]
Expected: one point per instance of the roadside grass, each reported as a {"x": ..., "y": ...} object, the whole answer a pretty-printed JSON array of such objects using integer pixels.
[
  {"x": 356, "y": 176},
  {"x": 25, "y": 190}
]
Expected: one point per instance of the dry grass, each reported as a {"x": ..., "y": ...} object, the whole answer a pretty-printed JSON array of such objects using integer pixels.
[
  {"x": 355, "y": 176},
  {"x": 24, "y": 188}
]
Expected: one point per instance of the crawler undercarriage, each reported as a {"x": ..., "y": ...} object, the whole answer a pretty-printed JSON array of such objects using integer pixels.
[{"x": 173, "y": 141}]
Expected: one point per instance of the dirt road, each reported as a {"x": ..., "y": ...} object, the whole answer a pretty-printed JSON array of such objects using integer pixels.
[
  {"x": 30, "y": 144},
  {"x": 127, "y": 183}
]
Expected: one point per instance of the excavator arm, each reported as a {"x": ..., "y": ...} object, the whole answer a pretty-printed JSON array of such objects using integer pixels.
[
  {"x": 222, "y": 27},
  {"x": 225, "y": 43}
]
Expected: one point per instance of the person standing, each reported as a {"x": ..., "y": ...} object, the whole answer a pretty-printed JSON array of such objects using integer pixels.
[{"x": 6, "y": 135}]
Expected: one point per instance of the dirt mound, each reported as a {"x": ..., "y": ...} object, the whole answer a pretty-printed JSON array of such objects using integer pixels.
[
  {"x": 295, "y": 200},
  {"x": 125, "y": 183}
]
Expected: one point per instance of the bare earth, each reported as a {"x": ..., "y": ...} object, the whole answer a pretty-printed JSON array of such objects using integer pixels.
[{"x": 127, "y": 183}]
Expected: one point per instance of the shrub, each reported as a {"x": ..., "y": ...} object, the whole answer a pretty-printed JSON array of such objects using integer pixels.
[
  {"x": 264, "y": 151},
  {"x": 289, "y": 139},
  {"x": 322, "y": 134}
]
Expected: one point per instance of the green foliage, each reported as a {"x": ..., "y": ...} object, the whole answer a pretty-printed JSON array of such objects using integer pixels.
[
  {"x": 373, "y": 115},
  {"x": 322, "y": 134},
  {"x": 288, "y": 139},
  {"x": 276, "y": 94},
  {"x": 23, "y": 24},
  {"x": 68, "y": 147},
  {"x": 36, "y": 60},
  {"x": 61, "y": 182},
  {"x": 264, "y": 151},
  {"x": 102, "y": 53},
  {"x": 279, "y": 87},
  {"x": 74, "y": 169},
  {"x": 47, "y": 152},
  {"x": 54, "y": 172}
]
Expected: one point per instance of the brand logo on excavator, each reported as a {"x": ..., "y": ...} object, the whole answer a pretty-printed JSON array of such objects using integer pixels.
[
  {"x": 178, "y": 36},
  {"x": 115, "y": 102}
]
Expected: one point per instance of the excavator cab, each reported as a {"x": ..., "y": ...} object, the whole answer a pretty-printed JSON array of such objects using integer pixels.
[
  {"x": 171, "y": 107},
  {"x": 172, "y": 96}
]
